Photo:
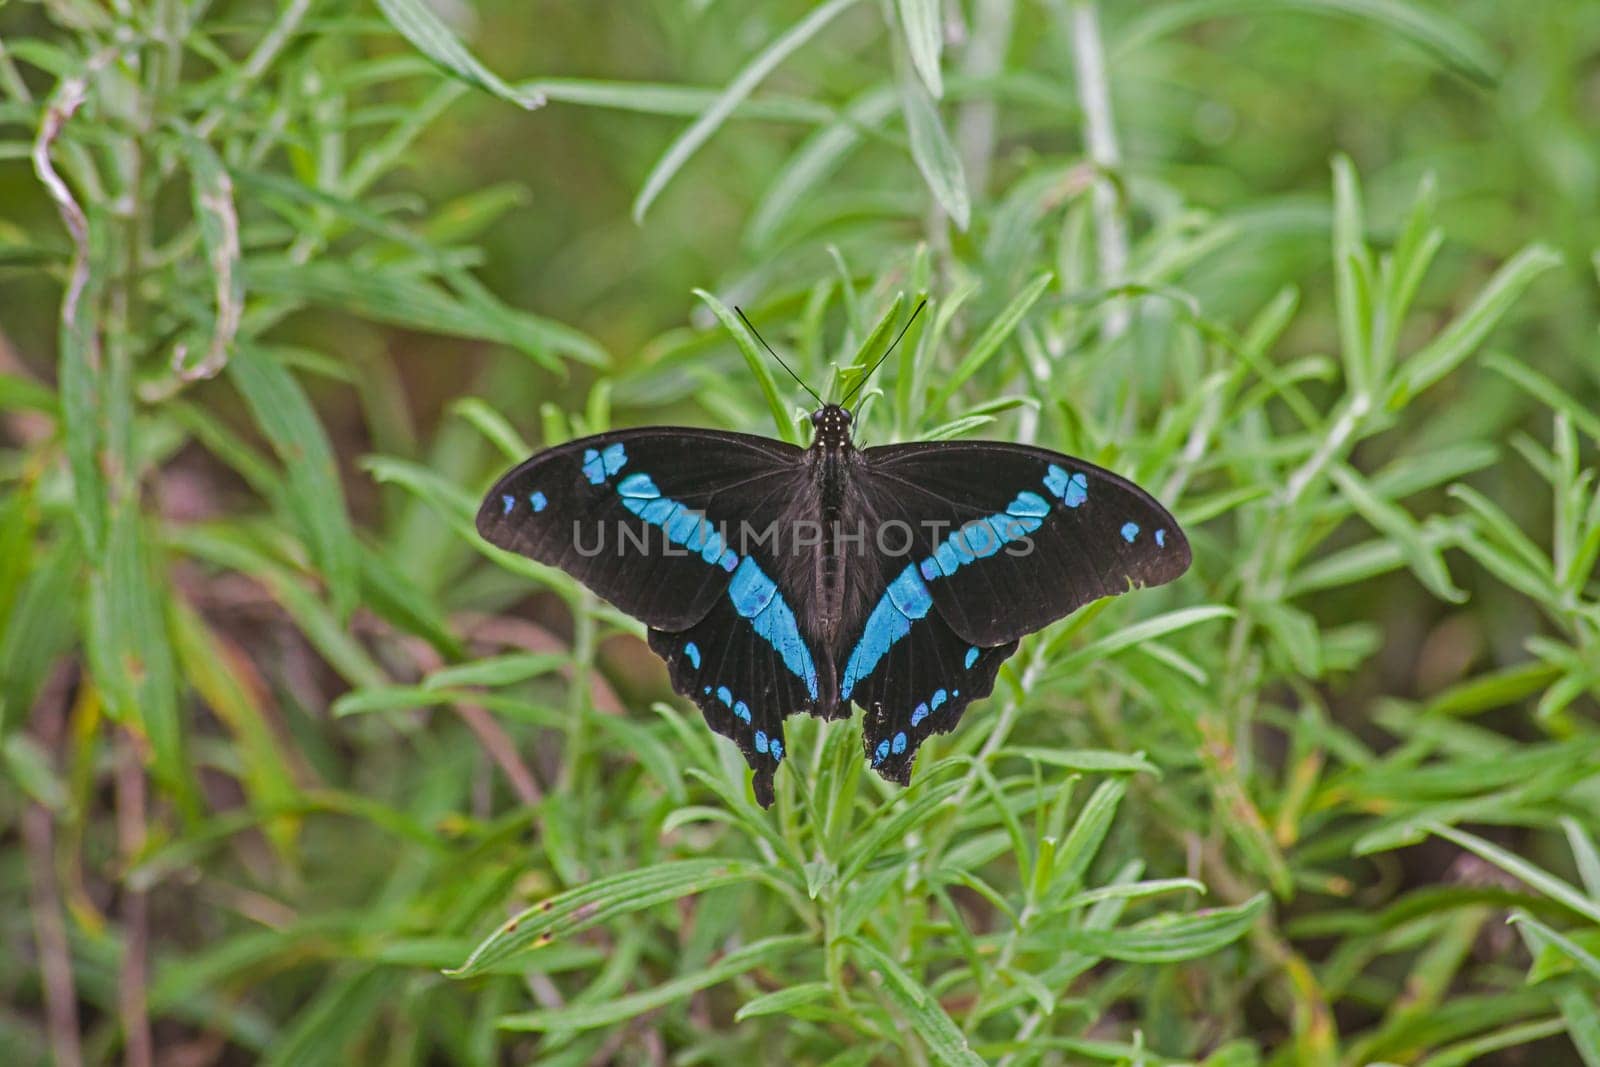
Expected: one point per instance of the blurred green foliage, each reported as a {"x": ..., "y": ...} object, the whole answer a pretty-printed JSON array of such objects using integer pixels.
[{"x": 300, "y": 771}]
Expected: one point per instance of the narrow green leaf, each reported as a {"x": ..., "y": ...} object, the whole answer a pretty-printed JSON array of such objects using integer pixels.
[
  {"x": 743, "y": 84},
  {"x": 1547, "y": 392},
  {"x": 766, "y": 953},
  {"x": 1579, "y": 955},
  {"x": 29, "y": 766},
  {"x": 916, "y": 810},
  {"x": 934, "y": 153},
  {"x": 128, "y": 646},
  {"x": 1090, "y": 760},
  {"x": 928, "y": 1019},
  {"x": 418, "y": 24},
  {"x": 403, "y": 300},
  {"x": 783, "y": 1001},
  {"x": 1425, "y": 562},
  {"x": 758, "y": 362},
  {"x": 1166, "y": 938},
  {"x": 1451, "y": 41},
  {"x": 921, "y": 20},
  {"x": 314, "y": 495},
  {"x": 1352, "y": 271},
  {"x": 1088, "y": 833},
  {"x": 1537, "y": 878},
  {"x": 497, "y": 670},
  {"x": 600, "y": 901},
  {"x": 873, "y": 347},
  {"x": 494, "y": 426},
  {"x": 1582, "y": 1016},
  {"x": 653, "y": 98},
  {"x": 1467, "y": 331},
  {"x": 1140, "y": 632}
]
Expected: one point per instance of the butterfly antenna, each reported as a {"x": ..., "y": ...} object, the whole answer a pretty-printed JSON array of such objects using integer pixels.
[
  {"x": 857, "y": 387},
  {"x": 781, "y": 363}
]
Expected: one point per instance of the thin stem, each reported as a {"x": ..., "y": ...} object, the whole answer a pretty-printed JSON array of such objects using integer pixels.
[{"x": 1100, "y": 133}]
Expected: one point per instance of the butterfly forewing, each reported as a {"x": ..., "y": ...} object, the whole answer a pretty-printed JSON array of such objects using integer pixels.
[
  {"x": 642, "y": 517},
  {"x": 1008, "y": 538}
]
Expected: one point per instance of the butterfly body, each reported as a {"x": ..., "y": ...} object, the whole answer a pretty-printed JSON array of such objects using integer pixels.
[{"x": 777, "y": 580}]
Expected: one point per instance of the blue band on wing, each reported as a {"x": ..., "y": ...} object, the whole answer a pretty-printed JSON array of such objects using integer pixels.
[
  {"x": 756, "y": 597},
  {"x": 907, "y": 597}
]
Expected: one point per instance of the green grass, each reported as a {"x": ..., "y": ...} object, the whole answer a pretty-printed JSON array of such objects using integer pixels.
[{"x": 297, "y": 770}]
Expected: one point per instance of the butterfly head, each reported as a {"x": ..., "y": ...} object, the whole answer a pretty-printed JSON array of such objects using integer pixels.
[{"x": 831, "y": 423}]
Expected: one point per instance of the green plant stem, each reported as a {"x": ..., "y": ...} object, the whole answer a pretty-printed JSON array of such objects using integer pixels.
[{"x": 1100, "y": 135}]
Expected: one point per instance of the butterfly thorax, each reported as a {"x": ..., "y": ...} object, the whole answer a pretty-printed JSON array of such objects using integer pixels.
[{"x": 832, "y": 459}]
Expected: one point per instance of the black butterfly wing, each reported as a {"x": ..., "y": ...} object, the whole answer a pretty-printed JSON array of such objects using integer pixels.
[
  {"x": 919, "y": 688},
  {"x": 653, "y": 520},
  {"x": 740, "y": 683},
  {"x": 642, "y": 516},
  {"x": 1002, "y": 539},
  {"x": 1009, "y": 538}
]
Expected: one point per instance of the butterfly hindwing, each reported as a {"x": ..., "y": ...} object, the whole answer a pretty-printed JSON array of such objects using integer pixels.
[
  {"x": 642, "y": 516},
  {"x": 741, "y": 682},
  {"x": 919, "y": 686},
  {"x": 1008, "y": 538}
]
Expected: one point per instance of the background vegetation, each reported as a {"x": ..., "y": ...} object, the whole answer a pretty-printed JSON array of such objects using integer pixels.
[{"x": 298, "y": 771}]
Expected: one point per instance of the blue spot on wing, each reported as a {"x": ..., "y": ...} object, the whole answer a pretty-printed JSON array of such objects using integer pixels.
[
  {"x": 776, "y": 747},
  {"x": 598, "y": 466},
  {"x": 1072, "y": 489},
  {"x": 972, "y": 657},
  {"x": 1130, "y": 530},
  {"x": 692, "y": 650},
  {"x": 741, "y": 709},
  {"x": 939, "y": 697},
  {"x": 919, "y": 714},
  {"x": 761, "y": 740},
  {"x": 510, "y": 502},
  {"x": 638, "y": 485},
  {"x": 899, "y": 744},
  {"x": 1161, "y": 539},
  {"x": 538, "y": 501},
  {"x": 1028, "y": 505},
  {"x": 881, "y": 754},
  {"x": 725, "y": 695}
]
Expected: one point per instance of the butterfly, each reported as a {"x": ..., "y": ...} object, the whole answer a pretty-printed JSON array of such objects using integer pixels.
[{"x": 776, "y": 580}]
